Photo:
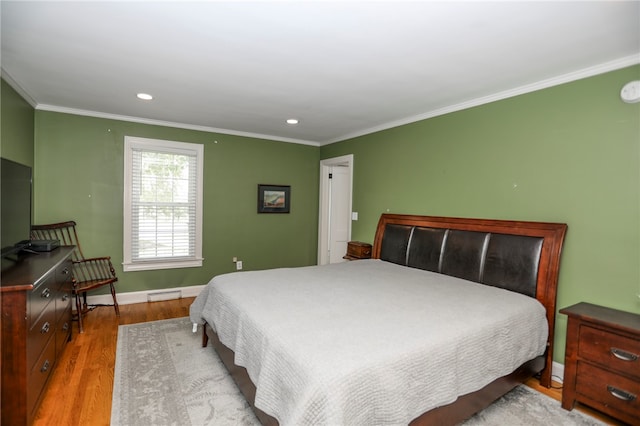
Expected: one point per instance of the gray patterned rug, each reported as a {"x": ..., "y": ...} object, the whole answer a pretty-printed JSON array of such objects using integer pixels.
[{"x": 164, "y": 377}]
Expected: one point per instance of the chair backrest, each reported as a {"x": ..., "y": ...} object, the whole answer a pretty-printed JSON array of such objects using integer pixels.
[{"x": 65, "y": 232}]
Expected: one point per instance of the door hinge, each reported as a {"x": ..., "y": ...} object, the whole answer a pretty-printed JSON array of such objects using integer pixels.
[{"x": 330, "y": 175}]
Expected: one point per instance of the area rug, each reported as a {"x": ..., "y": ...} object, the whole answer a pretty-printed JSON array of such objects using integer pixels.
[{"x": 164, "y": 377}]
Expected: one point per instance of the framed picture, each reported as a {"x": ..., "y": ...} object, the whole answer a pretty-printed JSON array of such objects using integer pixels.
[{"x": 274, "y": 198}]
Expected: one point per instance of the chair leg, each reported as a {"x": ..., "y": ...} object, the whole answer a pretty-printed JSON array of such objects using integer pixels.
[
  {"x": 79, "y": 310},
  {"x": 115, "y": 302}
]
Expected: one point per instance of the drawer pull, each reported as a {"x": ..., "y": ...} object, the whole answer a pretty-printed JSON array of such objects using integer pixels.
[
  {"x": 65, "y": 271},
  {"x": 620, "y": 394},
  {"x": 45, "y": 366},
  {"x": 65, "y": 297},
  {"x": 45, "y": 328},
  {"x": 624, "y": 355},
  {"x": 65, "y": 327},
  {"x": 46, "y": 293}
]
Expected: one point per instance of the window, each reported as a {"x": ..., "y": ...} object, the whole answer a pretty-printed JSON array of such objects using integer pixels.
[{"x": 162, "y": 204}]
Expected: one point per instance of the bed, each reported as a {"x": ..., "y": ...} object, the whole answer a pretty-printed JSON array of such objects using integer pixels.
[{"x": 447, "y": 316}]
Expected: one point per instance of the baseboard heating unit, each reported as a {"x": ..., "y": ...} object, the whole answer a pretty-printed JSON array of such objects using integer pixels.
[{"x": 158, "y": 296}]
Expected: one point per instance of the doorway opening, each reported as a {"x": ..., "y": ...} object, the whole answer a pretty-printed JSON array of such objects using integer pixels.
[{"x": 334, "y": 224}]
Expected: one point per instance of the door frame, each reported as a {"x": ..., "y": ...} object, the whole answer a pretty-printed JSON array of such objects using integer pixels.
[{"x": 323, "y": 214}]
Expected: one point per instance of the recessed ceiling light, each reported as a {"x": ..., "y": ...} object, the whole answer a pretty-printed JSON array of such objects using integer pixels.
[
  {"x": 144, "y": 96},
  {"x": 293, "y": 121}
]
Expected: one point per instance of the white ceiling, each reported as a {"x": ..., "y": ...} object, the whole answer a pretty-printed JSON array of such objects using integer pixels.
[{"x": 343, "y": 68}]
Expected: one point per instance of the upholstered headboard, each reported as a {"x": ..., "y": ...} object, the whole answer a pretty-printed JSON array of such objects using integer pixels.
[{"x": 514, "y": 255}]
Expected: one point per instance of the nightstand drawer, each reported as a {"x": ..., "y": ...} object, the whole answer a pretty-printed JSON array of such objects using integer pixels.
[
  {"x": 611, "y": 350},
  {"x": 608, "y": 392},
  {"x": 601, "y": 366},
  {"x": 358, "y": 250}
]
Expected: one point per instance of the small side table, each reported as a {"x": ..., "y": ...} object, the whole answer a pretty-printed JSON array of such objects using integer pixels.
[
  {"x": 358, "y": 250},
  {"x": 602, "y": 361}
]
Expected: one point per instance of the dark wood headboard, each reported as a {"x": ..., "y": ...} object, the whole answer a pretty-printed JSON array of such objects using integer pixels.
[{"x": 518, "y": 256}]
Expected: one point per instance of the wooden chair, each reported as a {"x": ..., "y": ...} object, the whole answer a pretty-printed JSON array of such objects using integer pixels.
[{"x": 88, "y": 273}]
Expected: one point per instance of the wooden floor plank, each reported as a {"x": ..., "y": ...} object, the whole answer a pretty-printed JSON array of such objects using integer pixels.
[{"x": 80, "y": 389}]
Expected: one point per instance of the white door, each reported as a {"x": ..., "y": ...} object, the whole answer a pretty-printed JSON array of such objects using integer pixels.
[
  {"x": 340, "y": 212},
  {"x": 334, "y": 228}
]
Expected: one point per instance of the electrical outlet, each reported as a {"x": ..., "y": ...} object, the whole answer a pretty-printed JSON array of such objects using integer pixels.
[{"x": 239, "y": 265}]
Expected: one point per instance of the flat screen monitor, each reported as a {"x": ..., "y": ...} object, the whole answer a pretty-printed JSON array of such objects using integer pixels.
[{"x": 15, "y": 206}]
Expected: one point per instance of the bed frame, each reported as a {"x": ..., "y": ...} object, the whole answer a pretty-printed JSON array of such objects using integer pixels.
[{"x": 515, "y": 255}]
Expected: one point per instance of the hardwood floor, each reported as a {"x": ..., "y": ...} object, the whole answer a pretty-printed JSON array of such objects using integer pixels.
[
  {"x": 80, "y": 389},
  {"x": 79, "y": 392}
]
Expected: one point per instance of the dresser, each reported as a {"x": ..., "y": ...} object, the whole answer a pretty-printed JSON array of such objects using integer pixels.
[
  {"x": 602, "y": 361},
  {"x": 36, "y": 325}
]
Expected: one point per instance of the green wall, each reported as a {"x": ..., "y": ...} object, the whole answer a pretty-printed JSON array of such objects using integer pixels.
[
  {"x": 16, "y": 118},
  {"x": 79, "y": 175},
  {"x": 568, "y": 154}
]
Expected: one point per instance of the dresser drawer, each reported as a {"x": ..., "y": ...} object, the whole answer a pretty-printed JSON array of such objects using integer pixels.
[
  {"x": 63, "y": 302},
  {"x": 38, "y": 376},
  {"x": 40, "y": 333},
  {"x": 40, "y": 297},
  {"x": 611, "y": 350},
  {"x": 607, "y": 391},
  {"x": 63, "y": 273},
  {"x": 64, "y": 330}
]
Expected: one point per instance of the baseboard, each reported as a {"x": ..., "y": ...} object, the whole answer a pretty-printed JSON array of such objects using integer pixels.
[
  {"x": 145, "y": 296},
  {"x": 557, "y": 372}
]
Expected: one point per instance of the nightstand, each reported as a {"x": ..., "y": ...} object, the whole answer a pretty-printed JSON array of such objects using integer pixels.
[
  {"x": 602, "y": 361},
  {"x": 358, "y": 250}
]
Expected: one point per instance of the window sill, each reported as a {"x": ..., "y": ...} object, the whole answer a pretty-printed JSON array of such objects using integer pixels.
[{"x": 151, "y": 266}]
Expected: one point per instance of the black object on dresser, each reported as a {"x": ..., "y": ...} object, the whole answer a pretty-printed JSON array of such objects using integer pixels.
[
  {"x": 36, "y": 325},
  {"x": 602, "y": 361}
]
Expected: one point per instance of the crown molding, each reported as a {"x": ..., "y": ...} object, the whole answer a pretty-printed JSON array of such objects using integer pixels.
[
  {"x": 543, "y": 84},
  {"x": 15, "y": 86},
  {"x": 528, "y": 88},
  {"x": 75, "y": 111}
]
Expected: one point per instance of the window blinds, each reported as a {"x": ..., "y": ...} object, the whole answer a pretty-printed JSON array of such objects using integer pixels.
[{"x": 163, "y": 205}]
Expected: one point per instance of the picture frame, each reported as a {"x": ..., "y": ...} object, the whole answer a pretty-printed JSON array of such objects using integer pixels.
[{"x": 274, "y": 198}]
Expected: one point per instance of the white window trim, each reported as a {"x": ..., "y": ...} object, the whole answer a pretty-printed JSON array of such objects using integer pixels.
[{"x": 131, "y": 142}]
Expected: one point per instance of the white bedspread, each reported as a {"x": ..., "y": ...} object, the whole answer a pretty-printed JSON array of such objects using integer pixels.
[{"x": 367, "y": 342}]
